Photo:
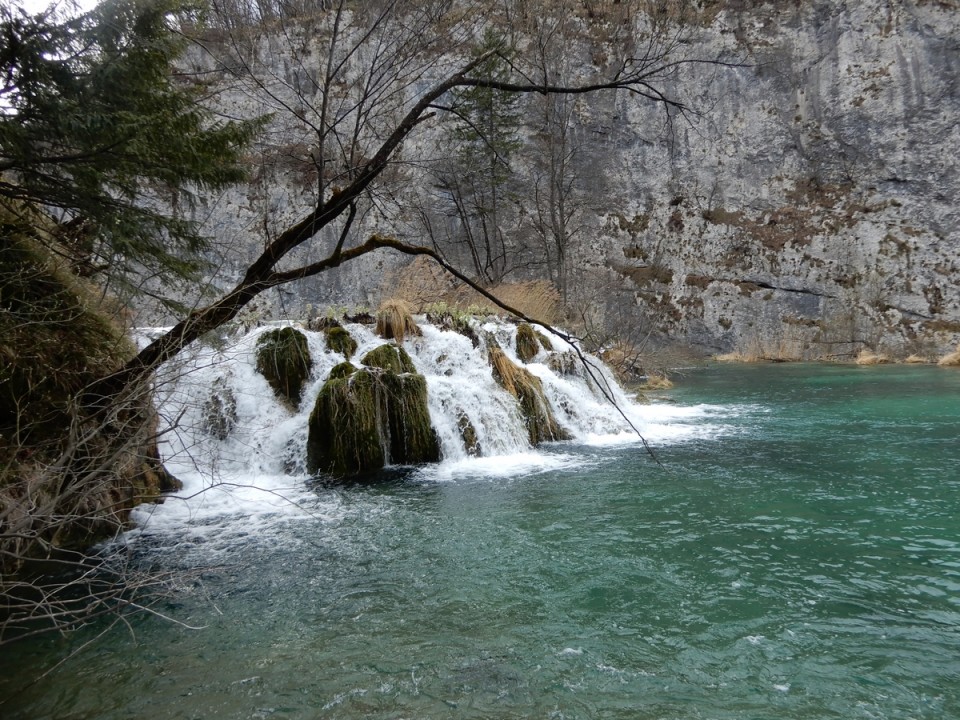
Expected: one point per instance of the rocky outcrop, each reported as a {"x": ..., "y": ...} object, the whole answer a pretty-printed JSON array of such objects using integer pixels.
[
  {"x": 283, "y": 358},
  {"x": 803, "y": 206},
  {"x": 810, "y": 210},
  {"x": 365, "y": 418}
]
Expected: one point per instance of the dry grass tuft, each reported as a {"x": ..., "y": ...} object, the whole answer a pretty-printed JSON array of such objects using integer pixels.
[
  {"x": 528, "y": 345},
  {"x": 916, "y": 360},
  {"x": 395, "y": 320},
  {"x": 950, "y": 359},
  {"x": 868, "y": 357},
  {"x": 528, "y": 390},
  {"x": 423, "y": 283},
  {"x": 656, "y": 382}
]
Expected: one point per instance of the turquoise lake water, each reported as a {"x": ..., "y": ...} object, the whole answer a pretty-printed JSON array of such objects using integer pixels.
[{"x": 798, "y": 556}]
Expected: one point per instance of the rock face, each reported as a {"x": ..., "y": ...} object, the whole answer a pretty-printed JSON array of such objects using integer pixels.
[
  {"x": 804, "y": 207},
  {"x": 365, "y": 418},
  {"x": 811, "y": 210}
]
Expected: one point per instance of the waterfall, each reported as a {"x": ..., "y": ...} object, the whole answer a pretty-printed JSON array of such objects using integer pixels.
[
  {"x": 256, "y": 433},
  {"x": 239, "y": 449}
]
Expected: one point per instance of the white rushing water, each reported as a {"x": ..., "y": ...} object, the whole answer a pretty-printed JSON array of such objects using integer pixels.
[{"x": 257, "y": 469}]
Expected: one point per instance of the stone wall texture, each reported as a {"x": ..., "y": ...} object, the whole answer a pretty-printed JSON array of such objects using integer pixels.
[{"x": 806, "y": 205}]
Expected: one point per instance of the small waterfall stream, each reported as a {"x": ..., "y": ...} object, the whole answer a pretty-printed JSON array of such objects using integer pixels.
[
  {"x": 228, "y": 420},
  {"x": 241, "y": 451}
]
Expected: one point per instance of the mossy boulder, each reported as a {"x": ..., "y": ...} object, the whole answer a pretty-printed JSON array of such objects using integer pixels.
[
  {"x": 220, "y": 411},
  {"x": 538, "y": 416},
  {"x": 283, "y": 358},
  {"x": 68, "y": 478},
  {"x": 528, "y": 345},
  {"x": 340, "y": 341},
  {"x": 366, "y": 418},
  {"x": 392, "y": 358}
]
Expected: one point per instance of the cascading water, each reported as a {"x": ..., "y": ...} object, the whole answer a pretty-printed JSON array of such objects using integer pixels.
[
  {"x": 239, "y": 449},
  {"x": 224, "y": 417}
]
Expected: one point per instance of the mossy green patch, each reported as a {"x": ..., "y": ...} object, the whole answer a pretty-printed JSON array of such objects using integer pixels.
[
  {"x": 343, "y": 370},
  {"x": 389, "y": 357},
  {"x": 340, "y": 341},
  {"x": 366, "y": 418},
  {"x": 345, "y": 426},
  {"x": 528, "y": 345},
  {"x": 283, "y": 358}
]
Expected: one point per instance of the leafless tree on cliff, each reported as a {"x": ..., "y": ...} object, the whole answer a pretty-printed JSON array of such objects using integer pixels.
[
  {"x": 358, "y": 86},
  {"x": 361, "y": 81}
]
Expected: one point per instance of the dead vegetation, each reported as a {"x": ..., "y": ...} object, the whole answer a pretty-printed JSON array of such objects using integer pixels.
[
  {"x": 950, "y": 359},
  {"x": 538, "y": 416},
  {"x": 395, "y": 320},
  {"x": 423, "y": 284}
]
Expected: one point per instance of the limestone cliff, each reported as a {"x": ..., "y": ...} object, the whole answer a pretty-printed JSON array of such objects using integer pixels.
[
  {"x": 804, "y": 206},
  {"x": 811, "y": 208}
]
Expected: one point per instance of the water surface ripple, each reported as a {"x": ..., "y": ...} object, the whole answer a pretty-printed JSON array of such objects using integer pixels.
[{"x": 798, "y": 558}]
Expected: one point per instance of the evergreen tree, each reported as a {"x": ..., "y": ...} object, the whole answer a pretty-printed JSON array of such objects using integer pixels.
[{"x": 96, "y": 127}]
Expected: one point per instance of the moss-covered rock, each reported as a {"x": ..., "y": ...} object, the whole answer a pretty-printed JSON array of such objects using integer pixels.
[
  {"x": 68, "y": 478},
  {"x": 344, "y": 431},
  {"x": 389, "y": 357},
  {"x": 544, "y": 342},
  {"x": 528, "y": 345},
  {"x": 366, "y": 418},
  {"x": 343, "y": 370},
  {"x": 541, "y": 424},
  {"x": 340, "y": 341},
  {"x": 283, "y": 358},
  {"x": 220, "y": 411},
  {"x": 469, "y": 435}
]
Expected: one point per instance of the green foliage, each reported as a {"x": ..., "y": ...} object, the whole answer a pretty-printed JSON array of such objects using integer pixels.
[
  {"x": 340, "y": 341},
  {"x": 364, "y": 418},
  {"x": 487, "y": 133},
  {"x": 483, "y": 137},
  {"x": 283, "y": 358},
  {"x": 391, "y": 358},
  {"x": 97, "y": 126}
]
